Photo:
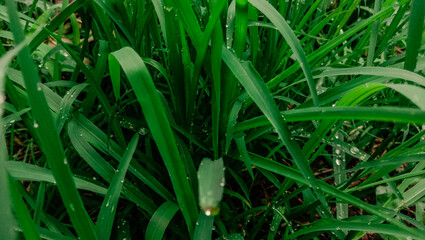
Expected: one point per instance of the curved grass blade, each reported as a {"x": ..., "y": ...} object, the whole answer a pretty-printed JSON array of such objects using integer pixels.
[
  {"x": 356, "y": 226},
  {"x": 104, "y": 169},
  {"x": 100, "y": 140},
  {"x": 329, "y": 46},
  {"x": 109, "y": 206},
  {"x": 273, "y": 15},
  {"x": 159, "y": 125},
  {"x": 160, "y": 220},
  {"x": 240, "y": 143},
  {"x": 66, "y": 105},
  {"x": 392, "y": 73},
  {"x": 259, "y": 93},
  {"x": 38, "y": 38},
  {"x": 28, "y": 172},
  {"x": 352, "y": 98},
  {"x": 50, "y": 141}
]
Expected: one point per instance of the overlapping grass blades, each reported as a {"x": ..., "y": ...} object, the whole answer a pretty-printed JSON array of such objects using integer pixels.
[
  {"x": 50, "y": 142},
  {"x": 168, "y": 73},
  {"x": 159, "y": 125}
]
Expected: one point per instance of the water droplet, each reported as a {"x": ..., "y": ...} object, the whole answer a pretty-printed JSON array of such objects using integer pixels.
[
  {"x": 337, "y": 151},
  {"x": 354, "y": 150},
  {"x": 208, "y": 212},
  {"x": 71, "y": 206},
  {"x": 94, "y": 178},
  {"x": 65, "y": 161},
  {"x": 338, "y": 162},
  {"x": 35, "y": 124},
  {"x": 38, "y": 86}
]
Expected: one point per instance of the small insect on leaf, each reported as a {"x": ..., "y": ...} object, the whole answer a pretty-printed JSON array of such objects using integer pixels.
[{"x": 211, "y": 185}]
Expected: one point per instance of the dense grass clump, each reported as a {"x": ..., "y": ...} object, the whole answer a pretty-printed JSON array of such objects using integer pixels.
[{"x": 312, "y": 111}]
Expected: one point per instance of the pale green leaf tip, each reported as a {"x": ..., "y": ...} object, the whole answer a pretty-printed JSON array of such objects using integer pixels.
[{"x": 211, "y": 185}]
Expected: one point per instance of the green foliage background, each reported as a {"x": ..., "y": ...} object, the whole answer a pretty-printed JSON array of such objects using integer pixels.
[{"x": 316, "y": 108}]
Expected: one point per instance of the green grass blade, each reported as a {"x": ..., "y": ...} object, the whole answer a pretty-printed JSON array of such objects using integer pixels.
[
  {"x": 21, "y": 211},
  {"x": 216, "y": 66},
  {"x": 240, "y": 143},
  {"x": 273, "y": 15},
  {"x": 100, "y": 140},
  {"x": 159, "y": 125},
  {"x": 356, "y": 226},
  {"x": 28, "y": 172},
  {"x": 104, "y": 169},
  {"x": 259, "y": 93},
  {"x": 204, "y": 227},
  {"x": 160, "y": 220},
  {"x": 389, "y": 72},
  {"x": 241, "y": 27},
  {"x": 414, "y": 37},
  {"x": 339, "y": 165},
  {"x": 374, "y": 35},
  {"x": 109, "y": 206},
  {"x": 6, "y": 218},
  {"x": 51, "y": 143}
]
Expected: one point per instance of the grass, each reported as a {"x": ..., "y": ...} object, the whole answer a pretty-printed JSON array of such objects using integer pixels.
[{"x": 312, "y": 110}]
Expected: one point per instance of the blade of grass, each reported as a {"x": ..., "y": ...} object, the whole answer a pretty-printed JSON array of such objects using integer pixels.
[
  {"x": 28, "y": 172},
  {"x": 160, "y": 220},
  {"x": 109, "y": 206},
  {"x": 273, "y": 15},
  {"x": 159, "y": 125},
  {"x": 104, "y": 169},
  {"x": 259, "y": 93},
  {"x": 357, "y": 226},
  {"x": 386, "y": 114},
  {"x": 373, "y": 35},
  {"x": 7, "y": 228},
  {"x": 339, "y": 165},
  {"x": 21, "y": 211},
  {"x": 51, "y": 143},
  {"x": 204, "y": 226},
  {"x": 414, "y": 36}
]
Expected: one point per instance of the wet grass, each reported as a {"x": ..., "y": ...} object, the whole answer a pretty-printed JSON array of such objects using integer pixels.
[{"x": 314, "y": 111}]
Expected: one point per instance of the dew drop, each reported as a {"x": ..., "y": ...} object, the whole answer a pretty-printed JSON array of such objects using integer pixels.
[
  {"x": 354, "y": 150},
  {"x": 338, "y": 162}
]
